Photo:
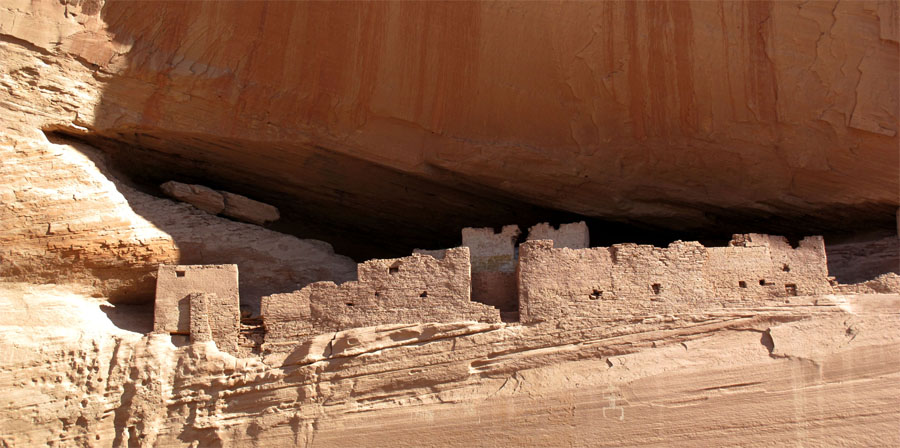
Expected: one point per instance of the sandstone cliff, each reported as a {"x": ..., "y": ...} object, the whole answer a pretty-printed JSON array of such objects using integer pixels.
[
  {"x": 810, "y": 375},
  {"x": 677, "y": 115},
  {"x": 376, "y": 128}
]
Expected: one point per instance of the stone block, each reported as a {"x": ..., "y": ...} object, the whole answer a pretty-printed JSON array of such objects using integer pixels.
[{"x": 174, "y": 286}]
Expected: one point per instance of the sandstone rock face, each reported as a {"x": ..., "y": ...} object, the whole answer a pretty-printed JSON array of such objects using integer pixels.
[
  {"x": 415, "y": 120},
  {"x": 679, "y": 115},
  {"x": 827, "y": 372},
  {"x": 232, "y": 205},
  {"x": 65, "y": 217},
  {"x": 204, "y": 198},
  {"x": 245, "y": 209}
]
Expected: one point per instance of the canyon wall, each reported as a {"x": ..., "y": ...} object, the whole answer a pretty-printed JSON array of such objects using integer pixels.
[
  {"x": 383, "y": 126},
  {"x": 679, "y": 115}
]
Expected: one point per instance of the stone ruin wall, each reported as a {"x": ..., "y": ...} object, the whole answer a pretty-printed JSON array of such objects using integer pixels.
[
  {"x": 418, "y": 288},
  {"x": 624, "y": 282},
  {"x": 573, "y": 235},
  {"x": 630, "y": 281},
  {"x": 193, "y": 298},
  {"x": 494, "y": 258},
  {"x": 493, "y": 265}
]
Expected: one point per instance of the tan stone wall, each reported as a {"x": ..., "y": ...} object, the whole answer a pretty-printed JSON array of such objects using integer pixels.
[
  {"x": 768, "y": 266},
  {"x": 630, "y": 281},
  {"x": 414, "y": 289},
  {"x": 573, "y": 236},
  {"x": 494, "y": 288},
  {"x": 492, "y": 252},
  {"x": 172, "y": 312},
  {"x": 497, "y": 289},
  {"x": 493, "y": 265},
  {"x": 200, "y": 329}
]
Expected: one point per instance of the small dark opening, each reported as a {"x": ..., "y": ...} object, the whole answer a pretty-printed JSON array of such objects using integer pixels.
[
  {"x": 596, "y": 294},
  {"x": 350, "y": 304},
  {"x": 742, "y": 284},
  {"x": 395, "y": 268},
  {"x": 762, "y": 282},
  {"x": 424, "y": 294},
  {"x": 786, "y": 268},
  {"x": 179, "y": 273},
  {"x": 794, "y": 241},
  {"x": 377, "y": 294},
  {"x": 656, "y": 288},
  {"x": 790, "y": 289}
]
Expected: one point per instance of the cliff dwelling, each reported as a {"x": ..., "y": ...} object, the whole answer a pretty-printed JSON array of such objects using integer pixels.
[
  {"x": 408, "y": 224},
  {"x": 492, "y": 279}
]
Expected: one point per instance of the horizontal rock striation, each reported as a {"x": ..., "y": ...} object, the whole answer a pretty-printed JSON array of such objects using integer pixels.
[
  {"x": 827, "y": 372},
  {"x": 414, "y": 120}
]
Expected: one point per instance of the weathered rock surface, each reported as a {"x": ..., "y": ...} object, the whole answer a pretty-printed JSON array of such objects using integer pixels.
[
  {"x": 415, "y": 120},
  {"x": 827, "y": 373},
  {"x": 64, "y": 217},
  {"x": 858, "y": 261},
  {"x": 204, "y": 198},
  {"x": 245, "y": 209},
  {"x": 232, "y": 205},
  {"x": 682, "y": 115}
]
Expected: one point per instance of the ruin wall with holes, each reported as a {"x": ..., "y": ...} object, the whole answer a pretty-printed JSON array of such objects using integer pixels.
[
  {"x": 630, "y": 281},
  {"x": 494, "y": 257},
  {"x": 192, "y": 297},
  {"x": 418, "y": 288}
]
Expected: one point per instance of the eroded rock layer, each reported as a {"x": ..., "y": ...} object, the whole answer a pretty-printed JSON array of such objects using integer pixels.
[
  {"x": 385, "y": 126},
  {"x": 827, "y": 374},
  {"x": 677, "y": 115}
]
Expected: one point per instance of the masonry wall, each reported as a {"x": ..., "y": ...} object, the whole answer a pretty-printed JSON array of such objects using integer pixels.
[
  {"x": 219, "y": 283},
  {"x": 418, "y": 288},
  {"x": 493, "y": 265},
  {"x": 573, "y": 236},
  {"x": 630, "y": 281}
]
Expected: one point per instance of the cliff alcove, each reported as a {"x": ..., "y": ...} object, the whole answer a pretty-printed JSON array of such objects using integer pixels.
[{"x": 680, "y": 132}]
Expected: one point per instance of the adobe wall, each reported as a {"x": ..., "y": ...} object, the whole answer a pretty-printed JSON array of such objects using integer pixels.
[
  {"x": 172, "y": 310},
  {"x": 200, "y": 328},
  {"x": 573, "y": 236},
  {"x": 628, "y": 281},
  {"x": 418, "y": 288},
  {"x": 493, "y": 252},
  {"x": 493, "y": 265}
]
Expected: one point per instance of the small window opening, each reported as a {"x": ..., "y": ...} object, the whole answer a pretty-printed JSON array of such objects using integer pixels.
[
  {"x": 790, "y": 289},
  {"x": 657, "y": 288},
  {"x": 762, "y": 282},
  {"x": 350, "y": 304},
  {"x": 377, "y": 294},
  {"x": 597, "y": 294},
  {"x": 179, "y": 273},
  {"x": 395, "y": 268},
  {"x": 786, "y": 268},
  {"x": 742, "y": 284},
  {"x": 424, "y": 294}
]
